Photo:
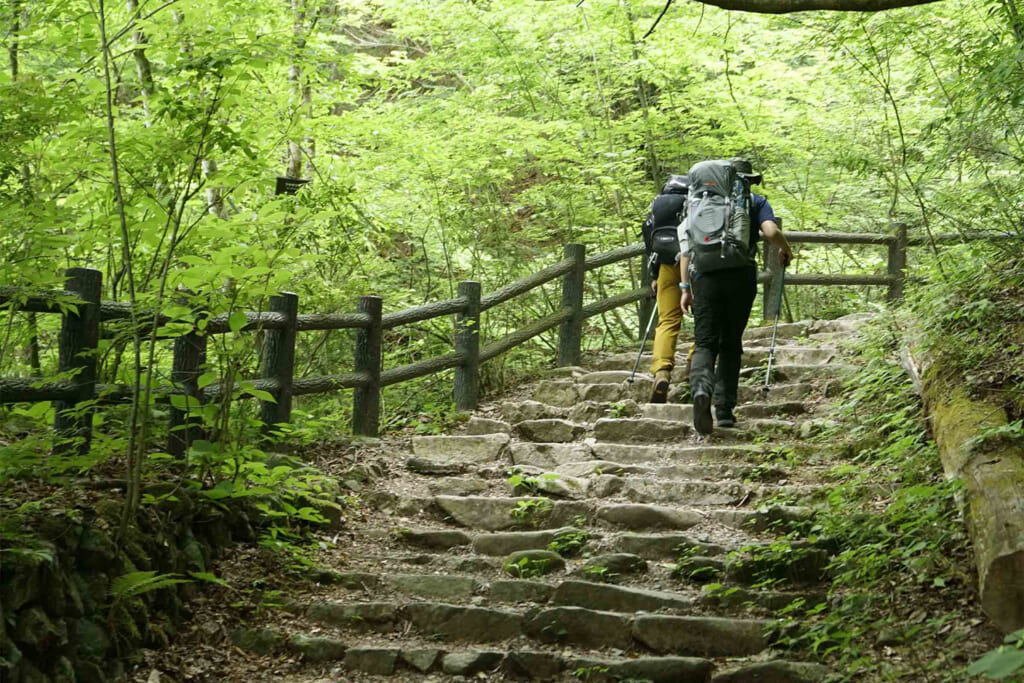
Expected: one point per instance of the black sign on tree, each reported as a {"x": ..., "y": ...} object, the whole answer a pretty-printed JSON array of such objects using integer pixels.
[{"x": 288, "y": 185}]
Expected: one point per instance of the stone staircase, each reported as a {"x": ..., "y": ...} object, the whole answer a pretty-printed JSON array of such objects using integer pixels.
[{"x": 586, "y": 535}]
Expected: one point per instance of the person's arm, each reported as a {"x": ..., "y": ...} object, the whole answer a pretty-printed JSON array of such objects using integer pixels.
[
  {"x": 686, "y": 300},
  {"x": 773, "y": 233}
]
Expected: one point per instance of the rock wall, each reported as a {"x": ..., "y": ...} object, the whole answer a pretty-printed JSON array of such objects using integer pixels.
[{"x": 60, "y": 623}]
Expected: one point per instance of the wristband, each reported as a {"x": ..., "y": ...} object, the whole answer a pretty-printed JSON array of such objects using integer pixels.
[{"x": 684, "y": 286}]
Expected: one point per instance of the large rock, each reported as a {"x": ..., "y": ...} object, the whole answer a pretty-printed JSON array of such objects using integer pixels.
[
  {"x": 600, "y": 596},
  {"x": 580, "y": 626},
  {"x": 592, "y": 411},
  {"x": 633, "y": 516},
  {"x": 652, "y": 669},
  {"x": 533, "y": 665},
  {"x": 526, "y": 563},
  {"x": 521, "y": 411},
  {"x": 551, "y": 484},
  {"x": 510, "y": 542},
  {"x": 639, "y": 430},
  {"x": 454, "y": 622},
  {"x": 685, "y": 492},
  {"x": 422, "y": 659},
  {"x": 497, "y": 514},
  {"x": 557, "y": 393},
  {"x": 478, "y": 426},
  {"x": 662, "y": 546},
  {"x": 456, "y": 486},
  {"x": 317, "y": 648},
  {"x": 380, "y": 661},
  {"x": 354, "y": 615},
  {"x": 639, "y": 454},
  {"x": 471, "y": 662},
  {"x": 462, "y": 449},
  {"x": 548, "y": 455},
  {"x": 433, "y": 586},
  {"x": 435, "y": 467},
  {"x": 778, "y": 671},
  {"x": 599, "y": 467},
  {"x": 616, "y": 393},
  {"x": 434, "y": 539},
  {"x": 702, "y": 636},
  {"x": 674, "y": 412},
  {"x": 519, "y": 590},
  {"x": 611, "y": 567},
  {"x": 550, "y": 431}
]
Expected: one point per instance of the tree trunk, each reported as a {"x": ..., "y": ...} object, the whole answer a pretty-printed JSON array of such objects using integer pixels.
[{"x": 993, "y": 475}]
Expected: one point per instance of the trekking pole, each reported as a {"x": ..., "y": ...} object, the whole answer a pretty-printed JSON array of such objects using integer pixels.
[
  {"x": 647, "y": 332},
  {"x": 775, "y": 332}
]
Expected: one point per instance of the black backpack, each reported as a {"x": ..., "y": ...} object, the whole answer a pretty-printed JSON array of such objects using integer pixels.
[
  {"x": 660, "y": 229},
  {"x": 716, "y": 218}
]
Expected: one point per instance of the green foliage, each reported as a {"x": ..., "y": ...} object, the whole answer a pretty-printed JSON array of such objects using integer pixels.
[
  {"x": 569, "y": 542},
  {"x": 134, "y": 584},
  {"x": 1003, "y": 662},
  {"x": 532, "y": 512}
]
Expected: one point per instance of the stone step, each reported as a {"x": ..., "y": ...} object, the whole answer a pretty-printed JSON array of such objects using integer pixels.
[
  {"x": 563, "y": 625},
  {"x": 524, "y": 512},
  {"x": 639, "y": 454},
  {"x": 551, "y": 430},
  {"x": 567, "y": 393},
  {"x": 792, "y": 355},
  {"x": 794, "y": 391},
  {"x": 486, "y": 448},
  {"x": 785, "y": 330},
  {"x": 589, "y": 468},
  {"x": 789, "y": 372},
  {"x": 640, "y": 430},
  {"x": 683, "y": 412}
]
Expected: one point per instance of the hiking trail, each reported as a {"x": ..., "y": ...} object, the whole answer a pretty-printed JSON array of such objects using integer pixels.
[{"x": 583, "y": 534}]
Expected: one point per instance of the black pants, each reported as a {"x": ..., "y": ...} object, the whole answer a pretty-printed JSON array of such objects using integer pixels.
[{"x": 721, "y": 307}]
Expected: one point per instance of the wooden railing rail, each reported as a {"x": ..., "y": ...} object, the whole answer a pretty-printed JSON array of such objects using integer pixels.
[{"x": 83, "y": 311}]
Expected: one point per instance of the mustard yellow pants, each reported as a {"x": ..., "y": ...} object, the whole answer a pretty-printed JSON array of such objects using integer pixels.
[{"x": 670, "y": 317}]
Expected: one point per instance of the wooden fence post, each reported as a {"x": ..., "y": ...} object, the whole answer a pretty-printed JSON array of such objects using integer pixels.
[
  {"x": 772, "y": 286},
  {"x": 647, "y": 304},
  {"x": 366, "y": 399},
  {"x": 467, "y": 343},
  {"x": 189, "y": 358},
  {"x": 279, "y": 362},
  {"x": 897, "y": 263},
  {"x": 79, "y": 338},
  {"x": 570, "y": 332}
]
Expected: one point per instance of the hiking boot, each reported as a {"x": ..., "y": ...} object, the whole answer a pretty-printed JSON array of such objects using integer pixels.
[
  {"x": 702, "y": 414},
  {"x": 724, "y": 416},
  {"x": 659, "y": 394}
]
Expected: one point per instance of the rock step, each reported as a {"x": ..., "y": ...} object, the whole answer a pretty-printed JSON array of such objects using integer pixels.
[
  {"x": 419, "y": 659},
  {"x": 791, "y": 372},
  {"x": 683, "y": 412},
  {"x": 642, "y": 430},
  {"x": 550, "y": 456},
  {"x": 563, "y": 625}
]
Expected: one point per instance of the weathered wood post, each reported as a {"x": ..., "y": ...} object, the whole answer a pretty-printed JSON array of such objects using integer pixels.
[
  {"x": 771, "y": 288},
  {"x": 467, "y": 343},
  {"x": 279, "y": 362},
  {"x": 366, "y": 399},
  {"x": 897, "y": 263},
  {"x": 189, "y": 358},
  {"x": 647, "y": 304},
  {"x": 570, "y": 332},
  {"x": 79, "y": 338}
]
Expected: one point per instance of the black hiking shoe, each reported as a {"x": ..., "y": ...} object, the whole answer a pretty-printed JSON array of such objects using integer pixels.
[
  {"x": 702, "y": 414},
  {"x": 659, "y": 394},
  {"x": 724, "y": 416}
]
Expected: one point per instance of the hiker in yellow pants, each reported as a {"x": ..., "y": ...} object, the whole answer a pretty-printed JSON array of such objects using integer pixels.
[{"x": 670, "y": 318}]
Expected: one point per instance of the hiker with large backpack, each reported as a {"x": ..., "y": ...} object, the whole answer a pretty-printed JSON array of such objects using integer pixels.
[
  {"x": 718, "y": 234},
  {"x": 661, "y": 241}
]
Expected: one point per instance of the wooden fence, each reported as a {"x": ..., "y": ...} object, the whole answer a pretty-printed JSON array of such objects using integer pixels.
[{"x": 80, "y": 334}]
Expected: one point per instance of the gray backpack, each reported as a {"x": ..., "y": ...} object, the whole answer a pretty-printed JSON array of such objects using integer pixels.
[{"x": 716, "y": 218}]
